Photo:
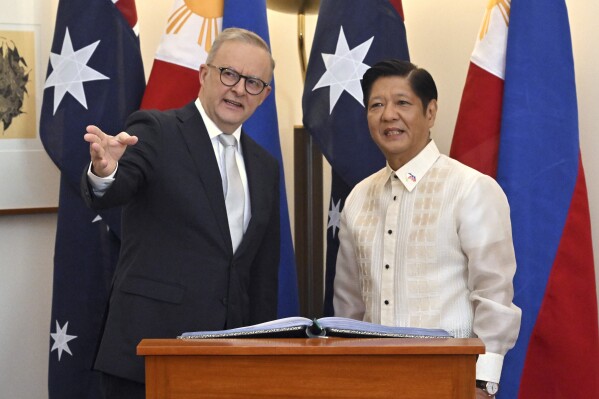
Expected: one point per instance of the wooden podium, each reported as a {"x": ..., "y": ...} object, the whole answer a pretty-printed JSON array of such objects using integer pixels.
[{"x": 314, "y": 367}]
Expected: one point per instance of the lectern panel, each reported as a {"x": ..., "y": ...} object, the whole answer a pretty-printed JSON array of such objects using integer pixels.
[{"x": 333, "y": 368}]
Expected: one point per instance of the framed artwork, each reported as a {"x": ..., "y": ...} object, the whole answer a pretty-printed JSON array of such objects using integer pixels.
[{"x": 29, "y": 180}]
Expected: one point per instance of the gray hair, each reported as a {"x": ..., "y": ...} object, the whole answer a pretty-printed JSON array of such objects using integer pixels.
[{"x": 239, "y": 35}]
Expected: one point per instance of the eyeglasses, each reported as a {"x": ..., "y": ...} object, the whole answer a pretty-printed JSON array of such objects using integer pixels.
[{"x": 230, "y": 77}]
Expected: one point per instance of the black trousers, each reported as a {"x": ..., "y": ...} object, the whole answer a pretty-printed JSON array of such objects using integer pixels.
[{"x": 120, "y": 388}]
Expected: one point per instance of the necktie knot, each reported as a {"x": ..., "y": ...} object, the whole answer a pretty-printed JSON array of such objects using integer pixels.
[{"x": 228, "y": 140}]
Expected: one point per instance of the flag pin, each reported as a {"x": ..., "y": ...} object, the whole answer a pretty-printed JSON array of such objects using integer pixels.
[{"x": 411, "y": 178}]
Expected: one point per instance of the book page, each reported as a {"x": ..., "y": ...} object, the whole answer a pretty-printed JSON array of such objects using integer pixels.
[
  {"x": 350, "y": 325},
  {"x": 287, "y": 323}
]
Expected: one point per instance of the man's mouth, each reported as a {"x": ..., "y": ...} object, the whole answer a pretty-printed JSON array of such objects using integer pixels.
[
  {"x": 393, "y": 132},
  {"x": 233, "y": 103}
]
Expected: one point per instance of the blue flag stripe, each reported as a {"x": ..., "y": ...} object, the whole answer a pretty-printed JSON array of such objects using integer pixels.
[{"x": 263, "y": 127}]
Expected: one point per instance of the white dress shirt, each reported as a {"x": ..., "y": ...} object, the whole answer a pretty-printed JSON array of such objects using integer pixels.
[{"x": 430, "y": 245}]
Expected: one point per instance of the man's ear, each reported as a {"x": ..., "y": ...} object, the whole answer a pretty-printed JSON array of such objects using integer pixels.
[
  {"x": 202, "y": 74},
  {"x": 267, "y": 91},
  {"x": 431, "y": 112}
]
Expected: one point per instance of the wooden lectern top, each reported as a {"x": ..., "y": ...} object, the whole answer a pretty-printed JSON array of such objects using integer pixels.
[{"x": 312, "y": 346}]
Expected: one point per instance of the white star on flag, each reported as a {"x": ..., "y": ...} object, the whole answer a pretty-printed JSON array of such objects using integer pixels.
[
  {"x": 70, "y": 70},
  {"x": 97, "y": 219},
  {"x": 334, "y": 216},
  {"x": 344, "y": 70},
  {"x": 61, "y": 339}
]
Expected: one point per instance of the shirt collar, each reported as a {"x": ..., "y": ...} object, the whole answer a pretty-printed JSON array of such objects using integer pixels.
[
  {"x": 413, "y": 171},
  {"x": 213, "y": 130}
]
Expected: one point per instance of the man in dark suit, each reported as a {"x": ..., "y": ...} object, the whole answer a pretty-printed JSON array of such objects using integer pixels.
[{"x": 182, "y": 267}]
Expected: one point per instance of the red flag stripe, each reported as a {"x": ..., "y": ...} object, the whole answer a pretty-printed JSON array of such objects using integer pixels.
[
  {"x": 127, "y": 8},
  {"x": 165, "y": 91},
  {"x": 398, "y": 6},
  {"x": 480, "y": 113}
]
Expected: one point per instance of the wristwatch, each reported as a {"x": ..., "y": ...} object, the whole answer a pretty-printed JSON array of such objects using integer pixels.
[{"x": 491, "y": 388}]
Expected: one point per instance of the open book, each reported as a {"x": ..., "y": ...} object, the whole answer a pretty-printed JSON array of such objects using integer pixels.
[{"x": 301, "y": 327}]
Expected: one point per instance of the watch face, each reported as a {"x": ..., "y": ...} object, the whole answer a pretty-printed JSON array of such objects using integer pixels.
[{"x": 492, "y": 388}]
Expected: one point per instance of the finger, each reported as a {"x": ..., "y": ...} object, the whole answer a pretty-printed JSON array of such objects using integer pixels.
[
  {"x": 126, "y": 139},
  {"x": 91, "y": 138},
  {"x": 95, "y": 130}
]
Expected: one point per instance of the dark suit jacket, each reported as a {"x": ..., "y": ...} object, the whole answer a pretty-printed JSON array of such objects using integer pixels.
[{"x": 176, "y": 269}]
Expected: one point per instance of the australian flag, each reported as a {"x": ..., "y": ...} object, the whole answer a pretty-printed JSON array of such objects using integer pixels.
[
  {"x": 95, "y": 76},
  {"x": 351, "y": 35}
]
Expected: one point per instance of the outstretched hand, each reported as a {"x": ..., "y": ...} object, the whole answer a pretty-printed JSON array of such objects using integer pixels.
[{"x": 106, "y": 150}]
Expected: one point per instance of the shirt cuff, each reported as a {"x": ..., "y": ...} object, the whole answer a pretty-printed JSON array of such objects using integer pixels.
[
  {"x": 488, "y": 367},
  {"x": 100, "y": 184}
]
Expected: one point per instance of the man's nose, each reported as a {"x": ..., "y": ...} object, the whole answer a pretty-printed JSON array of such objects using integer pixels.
[
  {"x": 239, "y": 87},
  {"x": 389, "y": 113}
]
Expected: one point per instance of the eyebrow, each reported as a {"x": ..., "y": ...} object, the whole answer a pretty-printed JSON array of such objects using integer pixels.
[
  {"x": 249, "y": 76},
  {"x": 393, "y": 96}
]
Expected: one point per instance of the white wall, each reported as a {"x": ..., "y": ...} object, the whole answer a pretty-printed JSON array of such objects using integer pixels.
[
  {"x": 441, "y": 36},
  {"x": 26, "y": 251}
]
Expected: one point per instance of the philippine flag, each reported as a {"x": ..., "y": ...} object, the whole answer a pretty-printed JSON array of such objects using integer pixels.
[{"x": 518, "y": 122}]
